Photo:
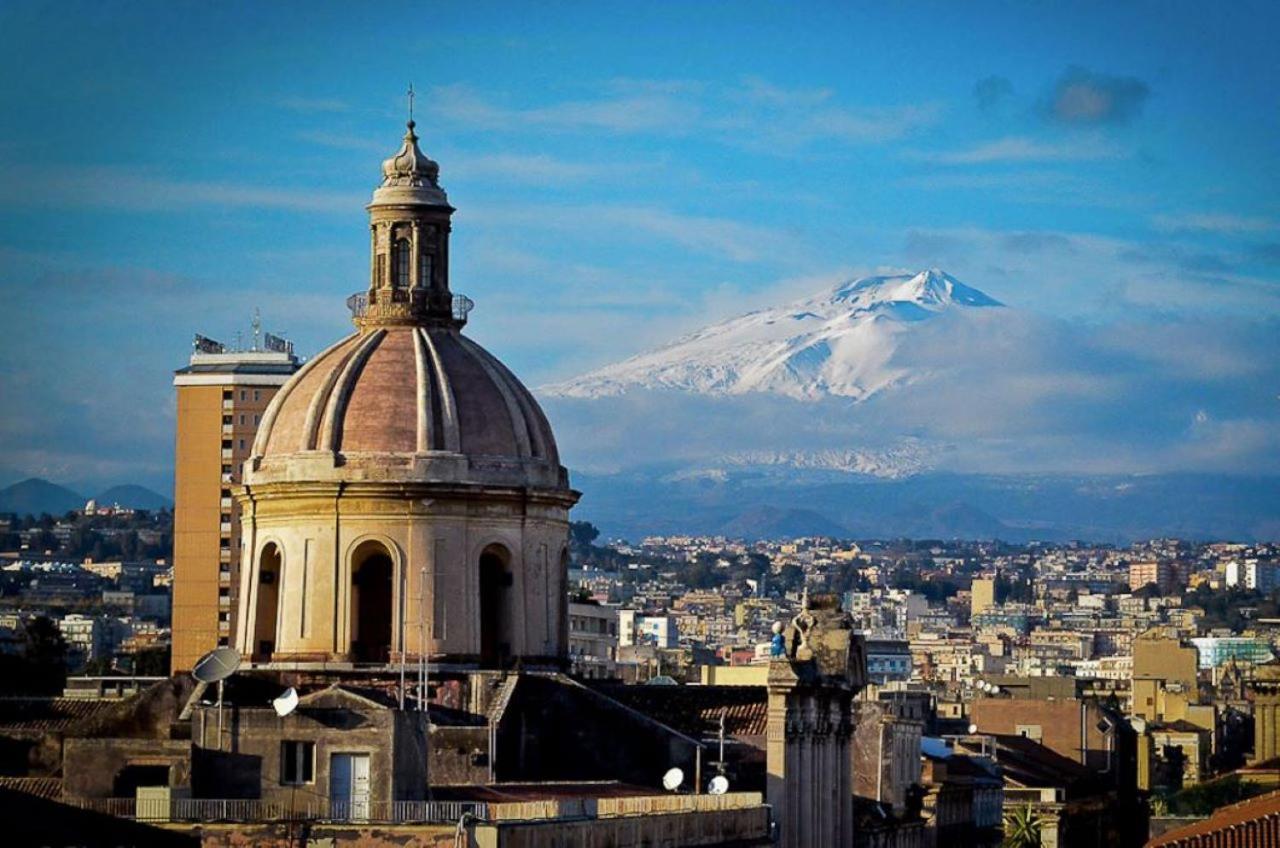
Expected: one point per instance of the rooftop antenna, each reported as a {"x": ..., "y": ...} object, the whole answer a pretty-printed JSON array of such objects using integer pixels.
[
  {"x": 215, "y": 667},
  {"x": 410, "y": 93},
  {"x": 257, "y": 328}
]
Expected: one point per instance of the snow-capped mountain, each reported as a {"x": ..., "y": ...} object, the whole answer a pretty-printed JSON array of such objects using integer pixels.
[{"x": 839, "y": 342}]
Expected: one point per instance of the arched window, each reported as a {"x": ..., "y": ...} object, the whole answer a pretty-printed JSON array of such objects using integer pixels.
[
  {"x": 371, "y": 603},
  {"x": 424, "y": 270},
  {"x": 400, "y": 263},
  {"x": 268, "y": 602},
  {"x": 495, "y": 578}
]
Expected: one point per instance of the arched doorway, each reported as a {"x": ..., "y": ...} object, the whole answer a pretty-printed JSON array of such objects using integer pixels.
[
  {"x": 267, "y": 608},
  {"x": 371, "y": 603},
  {"x": 495, "y": 578}
]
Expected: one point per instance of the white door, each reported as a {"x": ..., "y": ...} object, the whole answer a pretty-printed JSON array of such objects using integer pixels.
[
  {"x": 349, "y": 786},
  {"x": 359, "y": 786}
]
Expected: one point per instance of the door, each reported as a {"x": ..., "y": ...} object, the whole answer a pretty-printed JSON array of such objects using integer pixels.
[{"x": 349, "y": 786}]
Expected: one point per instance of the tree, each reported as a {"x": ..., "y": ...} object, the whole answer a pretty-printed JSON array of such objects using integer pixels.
[
  {"x": 1022, "y": 828},
  {"x": 153, "y": 662},
  {"x": 583, "y": 533},
  {"x": 42, "y": 669}
]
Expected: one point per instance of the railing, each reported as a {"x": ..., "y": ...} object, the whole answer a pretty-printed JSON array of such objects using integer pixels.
[
  {"x": 246, "y": 811},
  {"x": 461, "y": 306}
]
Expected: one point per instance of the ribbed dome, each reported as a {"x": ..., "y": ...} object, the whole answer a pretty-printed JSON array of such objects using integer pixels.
[{"x": 410, "y": 390}]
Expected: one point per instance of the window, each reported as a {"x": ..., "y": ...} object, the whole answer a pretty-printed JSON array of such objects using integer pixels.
[
  {"x": 241, "y": 444},
  {"x": 400, "y": 263},
  {"x": 226, "y": 469},
  {"x": 226, "y": 394},
  {"x": 242, "y": 419},
  {"x": 424, "y": 269},
  {"x": 226, "y": 419},
  {"x": 255, "y": 418},
  {"x": 226, "y": 444},
  {"x": 244, "y": 395},
  {"x": 297, "y": 762},
  {"x": 1030, "y": 731}
]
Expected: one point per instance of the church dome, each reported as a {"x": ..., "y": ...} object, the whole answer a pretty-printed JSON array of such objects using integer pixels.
[
  {"x": 404, "y": 462},
  {"x": 413, "y": 392}
]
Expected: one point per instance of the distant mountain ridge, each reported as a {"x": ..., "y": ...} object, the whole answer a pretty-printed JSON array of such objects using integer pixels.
[
  {"x": 35, "y": 496},
  {"x": 837, "y": 343},
  {"x": 1015, "y": 508}
]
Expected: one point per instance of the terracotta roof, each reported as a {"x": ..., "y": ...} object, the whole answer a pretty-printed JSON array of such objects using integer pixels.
[
  {"x": 49, "y": 788},
  {"x": 1223, "y": 818},
  {"x": 49, "y": 714},
  {"x": 695, "y": 710}
]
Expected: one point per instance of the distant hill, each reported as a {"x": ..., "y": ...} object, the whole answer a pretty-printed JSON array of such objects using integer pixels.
[
  {"x": 133, "y": 497},
  {"x": 767, "y": 522},
  {"x": 35, "y": 496},
  {"x": 1016, "y": 508}
]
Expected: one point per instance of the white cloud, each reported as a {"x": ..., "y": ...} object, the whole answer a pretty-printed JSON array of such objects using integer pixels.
[
  {"x": 753, "y": 114},
  {"x": 139, "y": 191},
  {"x": 1216, "y": 222},
  {"x": 1023, "y": 149}
]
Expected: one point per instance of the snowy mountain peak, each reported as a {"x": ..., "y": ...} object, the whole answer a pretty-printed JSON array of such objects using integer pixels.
[
  {"x": 839, "y": 342},
  {"x": 933, "y": 289}
]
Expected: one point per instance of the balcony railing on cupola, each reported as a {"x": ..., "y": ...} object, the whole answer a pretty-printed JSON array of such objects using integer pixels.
[{"x": 358, "y": 303}]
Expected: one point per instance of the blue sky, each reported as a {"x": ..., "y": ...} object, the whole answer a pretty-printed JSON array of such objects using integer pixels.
[{"x": 622, "y": 172}]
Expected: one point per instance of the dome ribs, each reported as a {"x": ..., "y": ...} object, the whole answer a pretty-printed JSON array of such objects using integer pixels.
[
  {"x": 266, "y": 430},
  {"x": 531, "y": 417},
  {"x": 519, "y": 419},
  {"x": 339, "y": 393},
  {"x": 448, "y": 406},
  {"x": 422, "y": 371}
]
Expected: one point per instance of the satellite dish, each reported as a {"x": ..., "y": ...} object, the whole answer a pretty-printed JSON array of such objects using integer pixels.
[
  {"x": 218, "y": 664},
  {"x": 973, "y": 728},
  {"x": 672, "y": 779},
  {"x": 718, "y": 785},
  {"x": 286, "y": 703}
]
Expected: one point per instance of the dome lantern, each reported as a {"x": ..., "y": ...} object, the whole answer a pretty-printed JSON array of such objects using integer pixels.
[{"x": 409, "y": 225}]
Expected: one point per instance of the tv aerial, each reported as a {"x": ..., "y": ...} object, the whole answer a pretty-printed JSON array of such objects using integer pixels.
[
  {"x": 718, "y": 785},
  {"x": 215, "y": 667},
  {"x": 672, "y": 779},
  {"x": 286, "y": 703}
]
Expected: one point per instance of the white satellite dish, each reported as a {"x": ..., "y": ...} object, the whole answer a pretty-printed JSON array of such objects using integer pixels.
[
  {"x": 286, "y": 703},
  {"x": 672, "y": 779},
  {"x": 973, "y": 728},
  {"x": 718, "y": 785}
]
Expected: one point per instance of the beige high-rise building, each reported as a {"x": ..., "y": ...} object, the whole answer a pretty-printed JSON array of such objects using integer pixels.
[
  {"x": 982, "y": 594},
  {"x": 222, "y": 396}
]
